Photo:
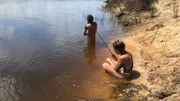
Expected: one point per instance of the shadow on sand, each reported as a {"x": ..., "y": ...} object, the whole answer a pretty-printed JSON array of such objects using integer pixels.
[{"x": 135, "y": 75}]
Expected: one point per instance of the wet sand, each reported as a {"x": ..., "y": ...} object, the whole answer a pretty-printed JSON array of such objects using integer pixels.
[{"x": 159, "y": 40}]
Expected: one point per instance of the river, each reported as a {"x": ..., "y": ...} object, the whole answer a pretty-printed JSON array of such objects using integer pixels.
[{"x": 44, "y": 55}]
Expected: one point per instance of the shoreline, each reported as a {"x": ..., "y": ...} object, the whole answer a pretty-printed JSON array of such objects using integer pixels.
[{"x": 159, "y": 40}]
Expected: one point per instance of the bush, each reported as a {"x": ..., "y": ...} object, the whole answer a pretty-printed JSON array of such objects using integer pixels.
[
  {"x": 132, "y": 5},
  {"x": 106, "y": 1}
]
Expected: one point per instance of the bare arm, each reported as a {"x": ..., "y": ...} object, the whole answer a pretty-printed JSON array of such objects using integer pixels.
[
  {"x": 85, "y": 30},
  {"x": 119, "y": 64}
]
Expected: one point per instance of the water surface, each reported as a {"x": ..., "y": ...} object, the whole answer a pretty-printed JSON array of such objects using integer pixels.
[{"x": 44, "y": 55}]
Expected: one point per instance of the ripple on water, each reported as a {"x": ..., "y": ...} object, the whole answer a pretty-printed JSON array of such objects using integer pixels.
[{"x": 9, "y": 90}]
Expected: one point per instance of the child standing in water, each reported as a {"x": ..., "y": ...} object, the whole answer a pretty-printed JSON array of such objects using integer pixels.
[
  {"x": 90, "y": 29},
  {"x": 123, "y": 66}
]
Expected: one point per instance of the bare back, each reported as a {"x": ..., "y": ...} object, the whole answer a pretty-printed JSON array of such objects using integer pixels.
[
  {"x": 90, "y": 30},
  {"x": 127, "y": 62}
]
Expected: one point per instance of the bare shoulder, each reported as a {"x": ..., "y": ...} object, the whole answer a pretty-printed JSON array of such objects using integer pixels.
[
  {"x": 95, "y": 23},
  {"x": 125, "y": 57},
  {"x": 122, "y": 58},
  {"x": 86, "y": 26},
  {"x": 130, "y": 55}
]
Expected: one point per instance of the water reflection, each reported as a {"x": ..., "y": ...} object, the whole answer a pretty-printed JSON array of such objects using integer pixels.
[
  {"x": 39, "y": 41},
  {"x": 11, "y": 89},
  {"x": 90, "y": 53}
]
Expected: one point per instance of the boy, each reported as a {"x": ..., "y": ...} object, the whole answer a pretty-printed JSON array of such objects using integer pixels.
[
  {"x": 125, "y": 62},
  {"x": 90, "y": 29}
]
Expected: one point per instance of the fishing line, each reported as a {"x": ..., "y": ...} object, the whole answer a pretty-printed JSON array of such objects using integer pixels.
[
  {"x": 100, "y": 37},
  {"x": 97, "y": 32}
]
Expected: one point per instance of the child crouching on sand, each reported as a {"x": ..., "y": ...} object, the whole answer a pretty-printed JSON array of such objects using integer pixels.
[{"x": 123, "y": 66}]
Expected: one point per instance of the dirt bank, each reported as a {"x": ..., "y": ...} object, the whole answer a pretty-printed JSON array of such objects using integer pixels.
[{"x": 159, "y": 38}]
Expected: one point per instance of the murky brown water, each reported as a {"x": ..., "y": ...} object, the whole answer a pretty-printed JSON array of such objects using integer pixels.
[{"x": 44, "y": 55}]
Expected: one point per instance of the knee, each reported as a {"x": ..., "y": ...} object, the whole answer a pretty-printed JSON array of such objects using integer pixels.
[{"x": 104, "y": 65}]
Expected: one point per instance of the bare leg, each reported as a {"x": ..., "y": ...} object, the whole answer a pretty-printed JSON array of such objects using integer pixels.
[{"x": 110, "y": 70}]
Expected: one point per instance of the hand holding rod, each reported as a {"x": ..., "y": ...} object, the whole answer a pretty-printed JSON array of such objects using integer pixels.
[{"x": 114, "y": 57}]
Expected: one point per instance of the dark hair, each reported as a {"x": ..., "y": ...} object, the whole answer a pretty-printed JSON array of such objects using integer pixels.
[
  {"x": 117, "y": 44},
  {"x": 90, "y": 18}
]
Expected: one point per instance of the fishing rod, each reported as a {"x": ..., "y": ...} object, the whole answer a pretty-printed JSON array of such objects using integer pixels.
[
  {"x": 99, "y": 36},
  {"x": 103, "y": 42}
]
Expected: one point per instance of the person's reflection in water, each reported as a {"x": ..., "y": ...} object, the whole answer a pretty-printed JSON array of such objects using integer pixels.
[{"x": 90, "y": 53}]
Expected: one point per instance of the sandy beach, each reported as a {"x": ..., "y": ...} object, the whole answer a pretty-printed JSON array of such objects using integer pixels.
[{"x": 158, "y": 58}]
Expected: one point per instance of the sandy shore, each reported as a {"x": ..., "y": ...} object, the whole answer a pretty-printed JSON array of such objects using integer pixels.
[{"x": 158, "y": 58}]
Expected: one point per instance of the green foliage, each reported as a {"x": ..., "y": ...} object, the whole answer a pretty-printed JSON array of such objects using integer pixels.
[
  {"x": 148, "y": 4},
  {"x": 132, "y": 5},
  {"x": 106, "y": 1}
]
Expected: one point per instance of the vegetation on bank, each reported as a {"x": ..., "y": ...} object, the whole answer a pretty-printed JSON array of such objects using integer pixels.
[
  {"x": 131, "y": 5},
  {"x": 128, "y": 11},
  {"x": 131, "y": 12}
]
